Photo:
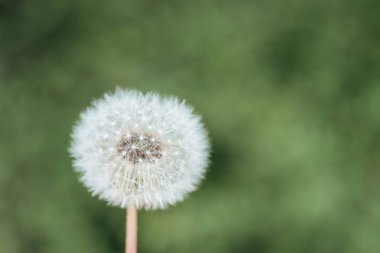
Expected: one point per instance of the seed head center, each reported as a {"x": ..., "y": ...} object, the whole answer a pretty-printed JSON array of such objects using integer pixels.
[{"x": 138, "y": 147}]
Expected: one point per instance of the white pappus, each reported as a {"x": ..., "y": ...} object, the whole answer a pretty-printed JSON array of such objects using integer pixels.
[{"x": 141, "y": 150}]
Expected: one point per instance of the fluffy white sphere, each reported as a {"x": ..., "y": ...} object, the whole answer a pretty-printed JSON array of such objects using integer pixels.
[{"x": 142, "y": 150}]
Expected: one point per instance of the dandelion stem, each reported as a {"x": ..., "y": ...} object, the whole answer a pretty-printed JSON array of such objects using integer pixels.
[{"x": 131, "y": 230}]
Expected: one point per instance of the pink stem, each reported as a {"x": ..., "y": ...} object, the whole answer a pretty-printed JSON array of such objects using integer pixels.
[{"x": 131, "y": 231}]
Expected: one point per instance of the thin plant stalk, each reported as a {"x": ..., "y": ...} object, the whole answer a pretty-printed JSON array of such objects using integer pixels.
[{"x": 131, "y": 230}]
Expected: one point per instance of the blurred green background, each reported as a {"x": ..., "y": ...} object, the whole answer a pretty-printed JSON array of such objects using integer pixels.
[{"x": 289, "y": 91}]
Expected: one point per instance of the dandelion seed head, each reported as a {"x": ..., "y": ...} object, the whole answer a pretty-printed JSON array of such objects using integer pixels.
[{"x": 140, "y": 149}]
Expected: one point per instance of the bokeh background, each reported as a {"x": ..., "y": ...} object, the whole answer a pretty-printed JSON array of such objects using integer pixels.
[{"x": 289, "y": 91}]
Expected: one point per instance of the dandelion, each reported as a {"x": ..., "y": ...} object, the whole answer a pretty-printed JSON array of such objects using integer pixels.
[{"x": 139, "y": 151}]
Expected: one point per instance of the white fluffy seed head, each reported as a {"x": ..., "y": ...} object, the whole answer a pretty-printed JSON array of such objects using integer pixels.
[{"x": 142, "y": 150}]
